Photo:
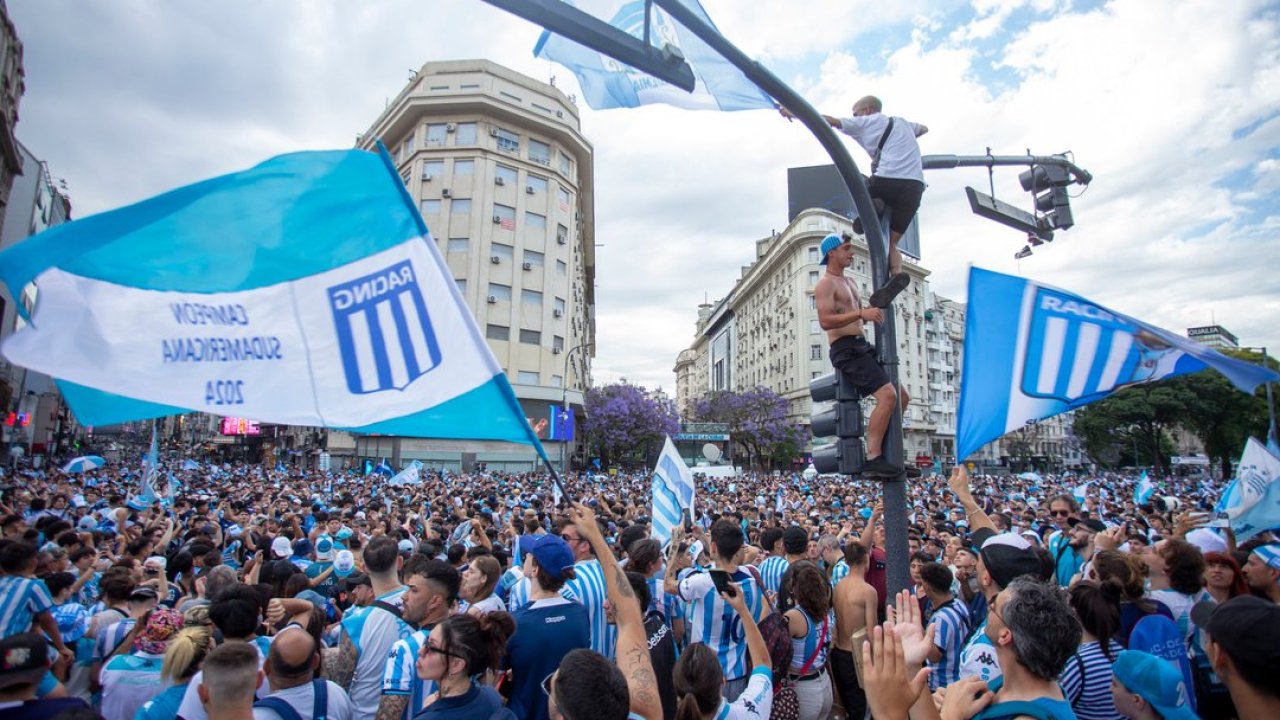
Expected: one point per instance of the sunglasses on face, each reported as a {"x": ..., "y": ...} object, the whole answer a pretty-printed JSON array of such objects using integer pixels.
[{"x": 1060, "y": 513}]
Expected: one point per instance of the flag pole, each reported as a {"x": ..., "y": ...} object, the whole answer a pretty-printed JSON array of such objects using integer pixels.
[{"x": 555, "y": 477}]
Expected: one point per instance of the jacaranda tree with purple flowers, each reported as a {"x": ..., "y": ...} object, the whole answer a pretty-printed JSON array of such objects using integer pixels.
[
  {"x": 625, "y": 423},
  {"x": 758, "y": 425}
]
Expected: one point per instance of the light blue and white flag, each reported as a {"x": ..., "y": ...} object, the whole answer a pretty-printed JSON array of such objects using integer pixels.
[
  {"x": 190, "y": 465},
  {"x": 411, "y": 475},
  {"x": 1081, "y": 492},
  {"x": 1144, "y": 490},
  {"x": 607, "y": 83},
  {"x": 1034, "y": 351},
  {"x": 303, "y": 291},
  {"x": 383, "y": 468},
  {"x": 1252, "y": 501},
  {"x": 673, "y": 491},
  {"x": 778, "y": 502}
]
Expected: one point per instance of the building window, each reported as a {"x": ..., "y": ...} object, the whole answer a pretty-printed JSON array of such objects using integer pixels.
[
  {"x": 504, "y": 252},
  {"x": 531, "y": 297},
  {"x": 460, "y": 246},
  {"x": 465, "y": 134},
  {"x": 813, "y": 255},
  {"x": 557, "y": 381},
  {"x": 561, "y": 268},
  {"x": 557, "y": 343},
  {"x": 436, "y": 133},
  {"x": 815, "y": 352},
  {"x": 406, "y": 149},
  {"x": 563, "y": 198},
  {"x": 539, "y": 184},
  {"x": 534, "y": 221},
  {"x": 527, "y": 377},
  {"x": 460, "y": 206},
  {"x": 500, "y": 292},
  {"x": 497, "y": 332},
  {"x": 566, "y": 165},
  {"x": 558, "y": 304},
  {"x": 431, "y": 207},
  {"x": 534, "y": 258},
  {"x": 507, "y": 175},
  {"x": 562, "y": 234},
  {"x": 539, "y": 152},
  {"x": 508, "y": 141},
  {"x": 531, "y": 337},
  {"x": 464, "y": 167},
  {"x": 813, "y": 302},
  {"x": 814, "y": 327},
  {"x": 813, "y": 277},
  {"x": 462, "y": 285},
  {"x": 432, "y": 169},
  {"x": 506, "y": 216}
]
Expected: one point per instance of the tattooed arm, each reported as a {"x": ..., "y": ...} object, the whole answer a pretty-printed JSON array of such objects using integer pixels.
[{"x": 633, "y": 645}]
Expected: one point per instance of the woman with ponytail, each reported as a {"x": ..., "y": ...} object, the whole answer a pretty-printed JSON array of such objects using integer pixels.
[
  {"x": 1086, "y": 678},
  {"x": 1128, "y": 573},
  {"x": 699, "y": 678},
  {"x": 183, "y": 657},
  {"x": 457, "y": 654}
]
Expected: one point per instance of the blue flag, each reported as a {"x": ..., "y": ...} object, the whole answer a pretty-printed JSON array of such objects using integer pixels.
[
  {"x": 303, "y": 291},
  {"x": 1252, "y": 501},
  {"x": 1033, "y": 351},
  {"x": 607, "y": 83},
  {"x": 673, "y": 491},
  {"x": 1144, "y": 490}
]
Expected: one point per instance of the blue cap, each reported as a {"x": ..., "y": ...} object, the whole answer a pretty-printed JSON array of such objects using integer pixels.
[
  {"x": 829, "y": 243},
  {"x": 552, "y": 554},
  {"x": 1157, "y": 681}
]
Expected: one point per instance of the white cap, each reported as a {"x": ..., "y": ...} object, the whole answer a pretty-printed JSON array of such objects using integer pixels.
[
  {"x": 280, "y": 547},
  {"x": 344, "y": 563}
]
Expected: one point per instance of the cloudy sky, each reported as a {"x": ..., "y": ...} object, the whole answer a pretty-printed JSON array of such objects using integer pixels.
[{"x": 1173, "y": 106}]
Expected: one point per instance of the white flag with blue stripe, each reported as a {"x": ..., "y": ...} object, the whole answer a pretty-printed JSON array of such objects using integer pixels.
[
  {"x": 411, "y": 475},
  {"x": 304, "y": 291},
  {"x": 1252, "y": 500},
  {"x": 1144, "y": 490},
  {"x": 607, "y": 83},
  {"x": 673, "y": 491},
  {"x": 1081, "y": 492},
  {"x": 1033, "y": 351}
]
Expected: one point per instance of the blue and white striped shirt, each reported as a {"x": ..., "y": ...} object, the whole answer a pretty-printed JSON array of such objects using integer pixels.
[
  {"x": 1090, "y": 693},
  {"x": 73, "y": 622},
  {"x": 110, "y": 638},
  {"x": 667, "y": 604},
  {"x": 839, "y": 572},
  {"x": 21, "y": 599},
  {"x": 771, "y": 571},
  {"x": 713, "y": 621},
  {"x": 952, "y": 624},
  {"x": 588, "y": 587},
  {"x": 809, "y": 653},
  {"x": 401, "y": 675}
]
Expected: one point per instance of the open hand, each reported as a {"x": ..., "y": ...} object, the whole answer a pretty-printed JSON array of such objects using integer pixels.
[{"x": 890, "y": 693}]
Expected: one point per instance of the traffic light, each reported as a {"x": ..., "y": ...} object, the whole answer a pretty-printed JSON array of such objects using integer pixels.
[
  {"x": 1048, "y": 185},
  {"x": 843, "y": 421}
]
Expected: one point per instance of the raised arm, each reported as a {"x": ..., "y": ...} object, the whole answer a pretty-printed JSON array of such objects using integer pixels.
[
  {"x": 959, "y": 483},
  {"x": 633, "y": 645}
]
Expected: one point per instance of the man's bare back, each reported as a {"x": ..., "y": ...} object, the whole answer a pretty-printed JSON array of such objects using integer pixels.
[{"x": 856, "y": 604}]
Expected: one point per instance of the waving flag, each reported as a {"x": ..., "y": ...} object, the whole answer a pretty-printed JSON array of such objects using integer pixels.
[
  {"x": 777, "y": 502},
  {"x": 383, "y": 468},
  {"x": 1033, "y": 351},
  {"x": 411, "y": 475},
  {"x": 673, "y": 491},
  {"x": 607, "y": 83},
  {"x": 1252, "y": 500},
  {"x": 190, "y": 465},
  {"x": 303, "y": 291},
  {"x": 1081, "y": 492},
  {"x": 1144, "y": 490}
]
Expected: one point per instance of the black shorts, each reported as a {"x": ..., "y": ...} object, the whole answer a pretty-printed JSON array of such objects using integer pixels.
[
  {"x": 856, "y": 358},
  {"x": 902, "y": 196}
]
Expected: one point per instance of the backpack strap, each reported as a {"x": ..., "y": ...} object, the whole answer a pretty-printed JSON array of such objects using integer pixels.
[
  {"x": 384, "y": 605},
  {"x": 1083, "y": 678},
  {"x": 279, "y": 707},
  {"x": 822, "y": 641},
  {"x": 320, "y": 708},
  {"x": 875, "y": 159}
]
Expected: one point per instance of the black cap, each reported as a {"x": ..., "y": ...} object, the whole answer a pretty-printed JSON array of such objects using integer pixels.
[
  {"x": 143, "y": 593},
  {"x": 1007, "y": 556},
  {"x": 1247, "y": 627},
  {"x": 1093, "y": 524},
  {"x": 355, "y": 580},
  {"x": 24, "y": 660}
]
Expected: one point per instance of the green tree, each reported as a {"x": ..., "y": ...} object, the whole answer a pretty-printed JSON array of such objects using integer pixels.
[
  {"x": 1220, "y": 415},
  {"x": 1140, "y": 415}
]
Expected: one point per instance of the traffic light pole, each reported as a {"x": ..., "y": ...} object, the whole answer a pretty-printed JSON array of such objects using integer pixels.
[{"x": 894, "y": 489}]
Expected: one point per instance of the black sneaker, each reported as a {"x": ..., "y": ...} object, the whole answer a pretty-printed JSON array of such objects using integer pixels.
[
  {"x": 885, "y": 295},
  {"x": 880, "y": 467},
  {"x": 912, "y": 472},
  {"x": 878, "y": 204}
]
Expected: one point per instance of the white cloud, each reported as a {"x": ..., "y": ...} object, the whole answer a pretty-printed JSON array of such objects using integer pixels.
[{"x": 127, "y": 99}]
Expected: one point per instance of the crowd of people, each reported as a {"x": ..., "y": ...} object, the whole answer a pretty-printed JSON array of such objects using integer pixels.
[{"x": 237, "y": 592}]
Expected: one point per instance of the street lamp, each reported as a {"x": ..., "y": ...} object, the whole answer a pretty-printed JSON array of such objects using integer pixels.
[{"x": 564, "y": 407}]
